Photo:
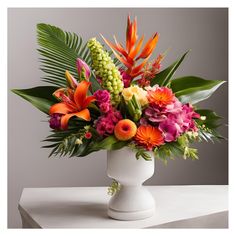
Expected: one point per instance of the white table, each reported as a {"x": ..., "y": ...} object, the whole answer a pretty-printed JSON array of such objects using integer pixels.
[{"x": 198, "y": 206}]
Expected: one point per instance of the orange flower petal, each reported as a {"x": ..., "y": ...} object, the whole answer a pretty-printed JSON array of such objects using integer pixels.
[
  {"x": 133, "y": 37},
  {"x": 125, "y": 62},
  {"x": 62, "y": 108},
  {"x": 149, "y": 136},
  {"x": 80, "y": 93},
  {"x": 71, "y": 80},
  {"x": 120, "y": 48},
  {"x": 137, "y": 69},
  {"x": 149, "y": 47},
  {"x": 88, "y": 100},
  {"x": 135, "y": 50},
  {"x": 161, "y": 96},
  {"x": 128, "y": 33},
  {"x": 84, "y": 114}
]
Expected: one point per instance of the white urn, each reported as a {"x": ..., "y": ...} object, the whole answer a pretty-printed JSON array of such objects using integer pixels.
[{"x": 133, "y": 201}]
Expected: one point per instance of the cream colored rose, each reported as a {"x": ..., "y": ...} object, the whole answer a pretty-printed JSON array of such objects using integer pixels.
[{"x": 140, "y": 94}]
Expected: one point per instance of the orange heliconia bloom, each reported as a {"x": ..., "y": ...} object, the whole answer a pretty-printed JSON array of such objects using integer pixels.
[
  {"x": 161, "y": 96},
  {"x": 149, "y": 136},
  {"x": 74, "y": 103},
  {"x": 129, "y": 55}
]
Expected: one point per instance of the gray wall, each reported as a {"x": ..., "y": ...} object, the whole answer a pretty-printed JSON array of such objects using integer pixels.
[{"x": 202, "y": 30}]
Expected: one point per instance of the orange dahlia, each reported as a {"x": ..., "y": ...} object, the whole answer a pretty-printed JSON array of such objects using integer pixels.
[
  {"x": 149, "y": 136},
  {"x": 161, "y": 96}
]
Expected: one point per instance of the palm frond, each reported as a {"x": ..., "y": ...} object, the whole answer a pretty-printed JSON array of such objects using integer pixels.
[{"x": 59, "y": 50}]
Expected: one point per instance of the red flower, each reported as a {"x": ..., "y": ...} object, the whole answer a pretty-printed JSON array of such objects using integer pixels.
[{"x": 88, "y": 135}]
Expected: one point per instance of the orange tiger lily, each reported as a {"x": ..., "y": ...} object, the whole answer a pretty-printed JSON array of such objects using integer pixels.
[
  {"x": 128, "y": 56},
  {"x": 74, "y": 103}
]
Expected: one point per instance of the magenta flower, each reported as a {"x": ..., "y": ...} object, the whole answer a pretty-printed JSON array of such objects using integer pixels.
[
  {"x": 102, "y": 96},
  {"x": 83, "y": 69},
  {"x": 177, "y": 123},
  {"x": 106, "y": 123},
  {"x": 172, "y": 118},
  {"x": 55, "y": 121},
  {"x": 103, "y": 99},
  {"x": 105, "y": 107},
  {"x": 170, "y": 129},
  {"x": 126, "y": 78}
]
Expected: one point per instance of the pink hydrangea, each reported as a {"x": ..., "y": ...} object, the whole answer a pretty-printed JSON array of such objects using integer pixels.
[
  {"x": 106, "y": 123},
  {"x": 173, "y": 119}
]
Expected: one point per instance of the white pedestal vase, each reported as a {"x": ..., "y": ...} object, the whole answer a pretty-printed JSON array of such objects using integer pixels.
[{"x": 133, "y": 201}]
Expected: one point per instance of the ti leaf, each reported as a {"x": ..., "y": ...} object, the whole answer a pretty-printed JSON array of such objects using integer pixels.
[
  {"x": 164, "y": 77},
  {"x": 194, "y": 89},
  {"x": 40, "y": 97}
]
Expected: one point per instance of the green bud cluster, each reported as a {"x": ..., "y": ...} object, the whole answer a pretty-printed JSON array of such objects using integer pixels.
[{"x": 105, "y": 68}]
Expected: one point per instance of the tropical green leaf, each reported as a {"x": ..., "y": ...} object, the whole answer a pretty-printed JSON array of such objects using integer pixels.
[
  {"x": 109, "y": 143},
  {"x": 194, "y": 89},
  {"x": 40, "y": 97},
  {"x": 212, "y": 120},
  {"x": 59, "y": 51},
  {"x": 164, "y": 77}
]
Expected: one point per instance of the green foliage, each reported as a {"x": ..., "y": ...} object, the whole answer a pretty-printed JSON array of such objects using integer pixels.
[
  {"x": 192, "y": 89},
  {"x": 114, "y": 187},
  {"x": 163, "y": 78},
  {"x": 64, "y": 141},
  {"x": 210, "y": 118},
  {"x": 140, "y": 152},
  {"x": 134, "y": 109},
  {"x": 40, "y": 97},
  {"x": 109, "y": 143},
  {"x": 179, "y": 148},
  {"x": 59, "y": 50},
  {"x": 208, "y": 125}
]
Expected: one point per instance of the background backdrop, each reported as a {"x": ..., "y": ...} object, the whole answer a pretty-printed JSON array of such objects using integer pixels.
[{"x": 205, "y": 31}]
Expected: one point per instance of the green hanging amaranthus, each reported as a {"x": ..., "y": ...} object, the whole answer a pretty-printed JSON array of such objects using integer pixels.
[{"x": 105, "y": 68}]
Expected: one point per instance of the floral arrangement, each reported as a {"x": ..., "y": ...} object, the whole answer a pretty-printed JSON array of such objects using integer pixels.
[{"x": 110, "y": 98}]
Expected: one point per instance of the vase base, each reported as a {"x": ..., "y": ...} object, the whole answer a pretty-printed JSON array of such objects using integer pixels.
[{"x": 130, "y": 215}]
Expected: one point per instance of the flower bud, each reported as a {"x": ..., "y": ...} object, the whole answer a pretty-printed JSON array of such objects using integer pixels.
[
  {"x": 72, "y": 83},
  {"x": 55, "y": 121},
  {"x": 83, "y": 69}
]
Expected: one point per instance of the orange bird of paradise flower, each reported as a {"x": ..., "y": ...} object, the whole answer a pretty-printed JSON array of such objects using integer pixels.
[
  {"x": 74, "y": 103},
  {"x": 129, "y": 55}
]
